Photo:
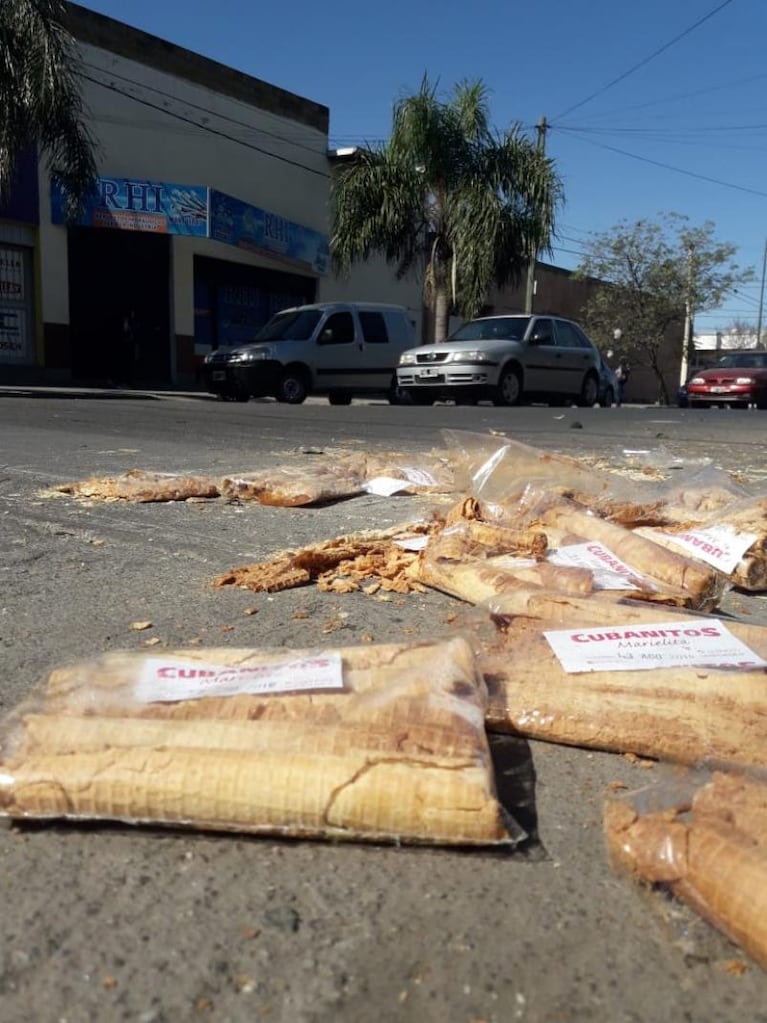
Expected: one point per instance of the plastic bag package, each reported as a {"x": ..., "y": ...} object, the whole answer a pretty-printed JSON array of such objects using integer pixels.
[
  {"x": 706, "y": 843},
  {"x": 498, "y": 471},
  {"x": 291, "y": 486},
  {"x": 627, "y": 677},
  {"x": 574, "y": 551},
  {"x": 385, "y": 743},
  {"x": 143, "y": 487},
  {"x": 732, "y": 535},
  {"x": 395, "y": 472}
]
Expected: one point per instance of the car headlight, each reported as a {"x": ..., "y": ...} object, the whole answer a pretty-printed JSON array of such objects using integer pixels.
[
  {"x": 697, "y": 380},
  {"x": 407, "y": 359},
  {"x": 251, "y": 355},
  {"x": 208, "y": 358},
  {"x": 474, "y": 356},
  {"x": 744, "y": 380}
]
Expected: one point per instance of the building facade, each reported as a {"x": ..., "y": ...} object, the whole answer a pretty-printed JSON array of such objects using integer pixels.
[{"x": 211, "y": 213}]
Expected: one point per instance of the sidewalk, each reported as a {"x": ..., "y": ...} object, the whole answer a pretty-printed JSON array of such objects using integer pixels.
[{"x": 73, "y": 391}]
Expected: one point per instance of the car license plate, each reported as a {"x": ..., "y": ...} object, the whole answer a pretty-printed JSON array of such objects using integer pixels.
[
  {"x": 719, "y": 390},
  {"x": 219, "y": 374},
  {"x": 429, "y": 373}
]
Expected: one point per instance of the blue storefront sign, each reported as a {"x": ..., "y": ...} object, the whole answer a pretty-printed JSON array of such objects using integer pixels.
[
  {"x": 135, "y": 204},
  {"x": 249, "y": 227}
]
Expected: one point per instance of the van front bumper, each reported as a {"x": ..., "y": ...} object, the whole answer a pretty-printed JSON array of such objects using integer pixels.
[{"x": 258, "y": 379}]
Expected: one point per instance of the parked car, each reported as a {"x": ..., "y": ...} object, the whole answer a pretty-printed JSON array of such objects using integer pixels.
[
  {"x": 334, "y": 348},
  {"x": 505, "y": 359},
  {"x": 608, "y": 384},
  {"x": 738, "y": 379}
]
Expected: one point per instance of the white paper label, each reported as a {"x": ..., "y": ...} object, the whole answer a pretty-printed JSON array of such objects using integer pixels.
[
  {"x": 412, "y": 543},
  {"x": 720, "y": 546},
  {"x": 610, "y": 573},
  {"x": 163, "y": 680},
  {"x": 696, "y": 642},
  {"x": 385, "y": 486}
]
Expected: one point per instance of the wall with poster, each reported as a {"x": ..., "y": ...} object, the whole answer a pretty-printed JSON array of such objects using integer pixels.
[
  {"x": 135, "y": 204},
  {"x": 256, "y": 230},
  {"x": 17, "y": 343}
]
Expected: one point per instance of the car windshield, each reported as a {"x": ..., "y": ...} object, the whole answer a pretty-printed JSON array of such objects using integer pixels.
[
  {"x": 506, "y": 328},
  {"x": 294, "y": 325},
  {"x": 743, "y": 360}
]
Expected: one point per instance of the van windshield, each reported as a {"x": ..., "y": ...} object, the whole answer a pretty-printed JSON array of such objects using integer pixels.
[
  {"x": 295, "y": 325},
  {"x": 509, "y": 328}
]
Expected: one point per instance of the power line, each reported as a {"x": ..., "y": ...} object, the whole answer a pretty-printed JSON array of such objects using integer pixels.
[
  {"x": 646, "y": 60},
  {"x": 196, "y": 106},
  {"x": 665, "y": 100},
  {"x": 207, "y": 128},
  {"x": 668, "y": 166}
]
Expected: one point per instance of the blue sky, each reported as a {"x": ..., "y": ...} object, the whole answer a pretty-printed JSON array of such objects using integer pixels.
[{"x": 634, "y": 131}]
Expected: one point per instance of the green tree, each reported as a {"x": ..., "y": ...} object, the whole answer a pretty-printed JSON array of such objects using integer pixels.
[
  {"x": 654, "y": 276},
  {"x": 40, "y": 100},
  {"x": 448, "y": 196}
]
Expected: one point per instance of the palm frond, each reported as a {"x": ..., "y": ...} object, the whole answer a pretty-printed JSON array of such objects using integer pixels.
[{"x": 40, "y": 97}]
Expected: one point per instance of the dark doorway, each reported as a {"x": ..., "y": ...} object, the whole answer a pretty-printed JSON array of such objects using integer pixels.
[{"x": 119, "y": 307}]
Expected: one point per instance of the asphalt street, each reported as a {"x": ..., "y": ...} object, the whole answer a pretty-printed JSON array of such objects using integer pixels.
[{"x": 113, "y": 922}]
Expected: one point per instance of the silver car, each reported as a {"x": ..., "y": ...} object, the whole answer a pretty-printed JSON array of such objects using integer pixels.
[{"x": 505, "y": 359}]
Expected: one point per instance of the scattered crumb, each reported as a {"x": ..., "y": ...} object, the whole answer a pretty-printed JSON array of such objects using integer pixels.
[{"x": 140, "y": 626}]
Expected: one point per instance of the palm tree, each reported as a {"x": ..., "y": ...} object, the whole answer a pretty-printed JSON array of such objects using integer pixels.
[
  {"x": 40, "y": 101},
  {"x": 449, "y": 194}
]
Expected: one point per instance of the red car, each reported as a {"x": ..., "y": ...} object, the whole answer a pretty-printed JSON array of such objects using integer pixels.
[{"x": 739, "y": 379}]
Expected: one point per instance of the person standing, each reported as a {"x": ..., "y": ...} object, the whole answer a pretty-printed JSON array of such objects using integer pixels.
[{"x": 621, "y": 375}]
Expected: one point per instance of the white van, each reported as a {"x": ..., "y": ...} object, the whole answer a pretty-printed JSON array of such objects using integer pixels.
[{"x": 340, "y": 349}]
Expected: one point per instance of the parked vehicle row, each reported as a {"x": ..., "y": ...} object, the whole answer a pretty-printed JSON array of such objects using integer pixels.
[{"x": 347, "y": 349}]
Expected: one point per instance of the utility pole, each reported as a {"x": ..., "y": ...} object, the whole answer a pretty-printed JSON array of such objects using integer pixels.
[
  {"x": 761, "y": 300},
  {"x": 530, "y": 285},
  {"x": 688, "y": 350}
]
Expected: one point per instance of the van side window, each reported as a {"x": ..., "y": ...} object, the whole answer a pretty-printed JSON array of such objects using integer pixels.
[
  {"x": 338, "y": 329},
  {"x": 373, "y": 328}
]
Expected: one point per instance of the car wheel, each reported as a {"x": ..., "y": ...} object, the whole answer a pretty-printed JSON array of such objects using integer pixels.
[
  {"x": 421, "y": 398},
  {"x": 509, "y": 389},
  {"x": 292, "y": 388},
  {"x": 340, "y": 398},
  {"x": 589, "y": 392},
  {"x": 398, "y": 396}
]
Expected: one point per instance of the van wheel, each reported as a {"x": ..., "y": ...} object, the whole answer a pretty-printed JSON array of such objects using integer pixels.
[
  {"x": 339, "y": 398},
  {"x": 292, "y": 388},
  {"x": 509, "y": 389}
]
